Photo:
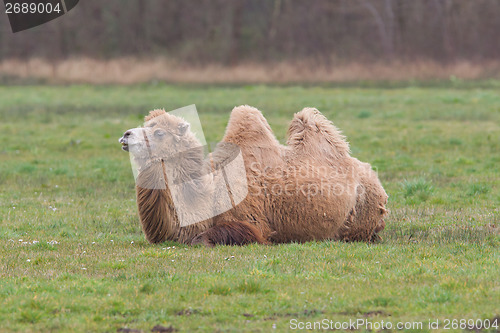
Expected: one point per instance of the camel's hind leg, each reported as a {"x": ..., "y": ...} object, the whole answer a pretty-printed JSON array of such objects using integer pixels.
[{"x": 230, "y": 233}]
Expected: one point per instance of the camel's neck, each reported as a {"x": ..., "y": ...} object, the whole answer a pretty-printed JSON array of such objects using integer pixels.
[
  {"x": 156, "y": 209},
  {"x": 163, "y": 186}
]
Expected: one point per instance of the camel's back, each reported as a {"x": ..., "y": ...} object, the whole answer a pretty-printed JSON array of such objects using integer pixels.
[
  {"x": 293, "y": 196},
  {"x": 305, "y": 191}
]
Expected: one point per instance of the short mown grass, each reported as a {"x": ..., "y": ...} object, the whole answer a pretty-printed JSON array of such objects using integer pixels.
[{"x": 74, "y": 258}]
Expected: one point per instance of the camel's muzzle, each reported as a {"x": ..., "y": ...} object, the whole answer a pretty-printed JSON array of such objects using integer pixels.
[{"x": 124, "y": 140}]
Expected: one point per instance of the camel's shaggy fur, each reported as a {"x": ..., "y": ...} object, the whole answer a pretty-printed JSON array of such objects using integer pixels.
[{"x": 311, "y": 189}]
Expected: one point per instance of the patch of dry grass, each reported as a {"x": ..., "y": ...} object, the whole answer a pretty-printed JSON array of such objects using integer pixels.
[{"x": 134, "y": 70}]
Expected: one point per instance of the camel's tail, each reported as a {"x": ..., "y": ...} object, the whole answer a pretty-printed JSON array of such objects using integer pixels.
[{"x": 230, "y": 233}]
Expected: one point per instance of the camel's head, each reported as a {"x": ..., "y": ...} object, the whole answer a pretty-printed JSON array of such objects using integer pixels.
[{"x": 162, "y": 136}]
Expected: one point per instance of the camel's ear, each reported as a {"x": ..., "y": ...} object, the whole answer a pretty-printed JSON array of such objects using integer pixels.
[{"x": 183, "y": 127}]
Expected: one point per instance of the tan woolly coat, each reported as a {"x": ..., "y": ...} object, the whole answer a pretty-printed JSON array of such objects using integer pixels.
[{"x": 310, "y": 189}]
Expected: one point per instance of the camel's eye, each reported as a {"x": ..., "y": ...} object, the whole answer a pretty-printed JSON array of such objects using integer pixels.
[{"x": 159, "y": 133}]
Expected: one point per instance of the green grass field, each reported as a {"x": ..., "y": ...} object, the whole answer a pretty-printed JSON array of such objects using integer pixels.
[{"x": 74, "y": 259}]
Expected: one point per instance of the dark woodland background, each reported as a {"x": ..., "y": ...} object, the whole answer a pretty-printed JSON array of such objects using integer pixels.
[{"x": 234, "y": 31}]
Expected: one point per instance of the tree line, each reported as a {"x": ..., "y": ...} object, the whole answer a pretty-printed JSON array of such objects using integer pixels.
[{"x": 233, "y": 31}]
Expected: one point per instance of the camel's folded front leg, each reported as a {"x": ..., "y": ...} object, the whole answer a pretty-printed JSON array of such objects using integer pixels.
[{"x": 230, "y": 233}]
